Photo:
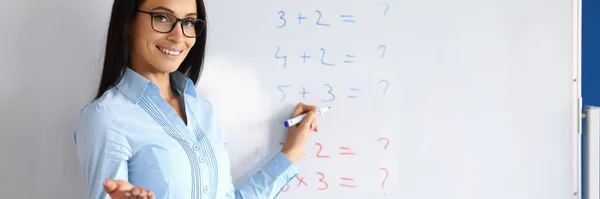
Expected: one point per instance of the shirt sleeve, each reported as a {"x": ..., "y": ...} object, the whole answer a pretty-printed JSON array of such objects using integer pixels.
[
  {"x": 102, "y": 149},
  {"x": 269, "y": 180}
]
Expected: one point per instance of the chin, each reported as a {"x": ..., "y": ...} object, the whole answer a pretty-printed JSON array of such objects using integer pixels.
[{"x": 166, "y": 67}]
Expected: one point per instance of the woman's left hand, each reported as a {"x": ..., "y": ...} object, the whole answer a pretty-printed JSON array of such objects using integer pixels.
[
  {"x": 295, "y": 141},
  {"x": 119, "y": 189}
]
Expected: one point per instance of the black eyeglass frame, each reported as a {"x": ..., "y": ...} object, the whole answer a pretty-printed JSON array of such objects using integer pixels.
[{"x": 177, "y": 20}]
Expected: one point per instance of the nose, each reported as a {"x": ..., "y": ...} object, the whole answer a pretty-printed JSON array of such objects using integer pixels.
[{"x": 177, "y": 34}]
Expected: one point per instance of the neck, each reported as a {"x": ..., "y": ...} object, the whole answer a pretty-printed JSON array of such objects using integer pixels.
[{"x": 161, "y": 79}]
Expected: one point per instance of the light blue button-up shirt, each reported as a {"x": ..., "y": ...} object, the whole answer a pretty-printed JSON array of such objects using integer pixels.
[{"x": 131, "y": 133}]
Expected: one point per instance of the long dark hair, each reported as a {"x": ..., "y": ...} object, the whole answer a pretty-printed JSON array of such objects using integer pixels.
[{"x": 118, "y": 55}]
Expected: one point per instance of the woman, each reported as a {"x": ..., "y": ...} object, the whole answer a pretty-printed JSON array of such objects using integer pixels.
[{"x": 149, "y": 131}]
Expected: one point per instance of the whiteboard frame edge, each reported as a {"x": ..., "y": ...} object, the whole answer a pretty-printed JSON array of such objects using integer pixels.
[{"x": 577, "y": 100}]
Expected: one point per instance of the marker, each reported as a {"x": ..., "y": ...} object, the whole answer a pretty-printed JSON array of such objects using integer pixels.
[{"x": 298, "y": 119}]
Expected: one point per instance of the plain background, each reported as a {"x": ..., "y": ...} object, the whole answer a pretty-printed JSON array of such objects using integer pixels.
[{"x": 49, "y": 62}]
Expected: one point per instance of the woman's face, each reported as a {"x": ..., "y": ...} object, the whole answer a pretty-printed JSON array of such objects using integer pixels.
[{"x": 161, "y": 52}]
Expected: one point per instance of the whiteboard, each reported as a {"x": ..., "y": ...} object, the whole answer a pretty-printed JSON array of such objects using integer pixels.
[
  {"x": 480, "y": 99},
  {"x": 430, "y": 99}
]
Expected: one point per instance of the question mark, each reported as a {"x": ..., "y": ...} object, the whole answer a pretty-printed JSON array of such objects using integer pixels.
[
  {"x": 382, "y": 52},
  {"x": 387, "y": 141},
  {"x": 387, "y": 7},
  {"x": 387, "y": 84},
  {"x": 385, "y": 178}
]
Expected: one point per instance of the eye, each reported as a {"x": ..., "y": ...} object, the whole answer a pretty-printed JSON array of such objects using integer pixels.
[
  {"x": 161, "y": 17},
  {"x": 189, "y": 22}
]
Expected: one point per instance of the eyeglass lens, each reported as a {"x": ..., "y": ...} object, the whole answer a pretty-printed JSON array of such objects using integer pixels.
[{"x": 162, "y": 22}]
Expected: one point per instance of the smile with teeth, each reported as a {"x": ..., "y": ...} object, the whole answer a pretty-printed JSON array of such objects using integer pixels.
[{"x": 169, "y": 51}]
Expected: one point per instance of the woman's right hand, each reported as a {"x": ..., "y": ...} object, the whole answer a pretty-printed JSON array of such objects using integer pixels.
[
  {"x": 119, "y": 189},
  {"x": 297, "y": 135}
]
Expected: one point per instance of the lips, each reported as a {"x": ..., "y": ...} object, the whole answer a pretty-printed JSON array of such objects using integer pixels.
[{"x": 170, "y": 51}]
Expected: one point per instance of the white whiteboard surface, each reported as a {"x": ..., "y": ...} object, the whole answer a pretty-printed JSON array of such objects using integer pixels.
[{"x": 479, "y": 102}]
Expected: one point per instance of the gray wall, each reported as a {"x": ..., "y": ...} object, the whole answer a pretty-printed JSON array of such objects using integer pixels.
[{"x": 50, "y": 59}]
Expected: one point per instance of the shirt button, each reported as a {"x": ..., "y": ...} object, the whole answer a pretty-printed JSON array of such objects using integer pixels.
[
  {"x": 205, "y": 190},
  {"x": 201, "y": 158},
  {"x": 196, "y": 147}
]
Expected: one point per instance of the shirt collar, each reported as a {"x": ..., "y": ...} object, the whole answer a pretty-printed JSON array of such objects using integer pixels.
[{"x": 134, "y": 86}]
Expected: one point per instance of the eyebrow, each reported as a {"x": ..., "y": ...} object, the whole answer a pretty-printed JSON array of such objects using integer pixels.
[{"x": 171, "y": 11}]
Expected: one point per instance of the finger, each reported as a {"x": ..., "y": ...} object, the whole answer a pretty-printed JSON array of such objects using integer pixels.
[
  {"x": 315, "y": 127},
  {"x": 309, "y": 119},
  {"x": 147, "y": 194},
  {"x": 142, "y": 196},
  {"x": 110, "y": 185},
  {"x": 127, "y": 195},
  {"x": 136, "y": 192},
  {"x": 144, "y": 193},
  {"x": 123, "y": 185},
  {"x": 151, "y": 195},
  {"x": 302, "y": 108}
]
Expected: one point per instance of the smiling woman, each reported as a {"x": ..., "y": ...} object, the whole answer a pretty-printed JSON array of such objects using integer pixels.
[{"x": 147, "y": 133}]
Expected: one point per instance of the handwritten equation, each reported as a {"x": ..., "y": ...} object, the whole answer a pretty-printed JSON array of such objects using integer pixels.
[
  {"x": 352, "y": 92},
  {"x": 319, "y": 18},
  {"x": 350, "y": 58},
  {"x": 342, "y": 181},
  {"x": 323, "y": 185}
]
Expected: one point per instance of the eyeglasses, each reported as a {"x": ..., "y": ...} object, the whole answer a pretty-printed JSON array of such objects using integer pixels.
[{"x": 165, "y": 23}]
